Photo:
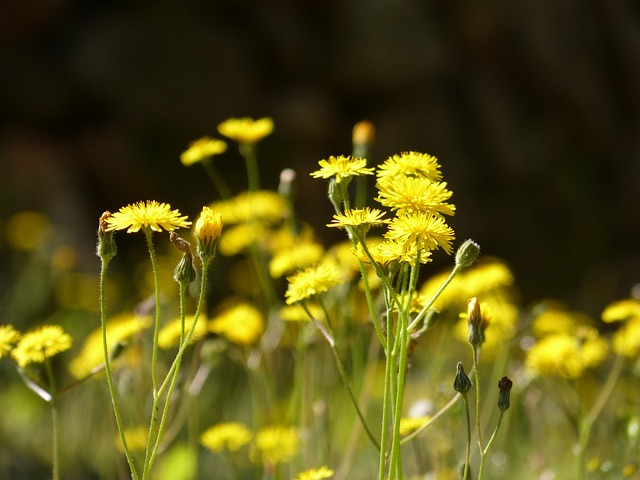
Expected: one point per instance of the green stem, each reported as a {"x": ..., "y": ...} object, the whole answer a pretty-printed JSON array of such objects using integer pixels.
[
  {"x": 468, "y": 453},
  {"x": 372, "y": 309},
  {"x": 107, "y": 368},
  {"x": 387, "y": 392},
  {"x": 218, "y": 181},
  {"x": 248, "y": 152},
  {"x": 426, "y": 308},
  {"x": 55, "y": 431},
  {"x": 156, "y": 327},
  {"x": 476, "y": 375}
]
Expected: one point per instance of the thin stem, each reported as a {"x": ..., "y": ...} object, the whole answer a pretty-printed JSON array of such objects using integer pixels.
[
  {"x": 476, "y": 374},
  {"x": 55, "y": 431},
  {"x": 372, "y": 309},
  {"x": 218, "y": 181},
  {"x": 426, "y": 308},
  {"x": 156, "y": 327},
  {"x": 107, "y": 369},
  {"x": 248, "y": 152},
  {"x": 468, "y": 453}
]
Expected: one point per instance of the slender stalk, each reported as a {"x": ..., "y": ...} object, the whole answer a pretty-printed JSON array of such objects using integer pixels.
[
  {"x": 55, "y": 427},
  {"x": 426, "y": 308},
  {"x": 218, "y": 181},
  {"x": 107, "y": 369},
  {"x": 156, "y": 328},
  {"x": 248, "y": 152},
  {"x": 476, "y": 375},
  {"x": 468, "y": 453}
]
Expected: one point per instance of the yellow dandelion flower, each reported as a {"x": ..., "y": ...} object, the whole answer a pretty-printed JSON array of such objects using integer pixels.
[
  {"x": 621, "y": 310},
  {"x": 414, "y": 194},
  {"x": 27, "y": 230},
  {"x": 119, "y": 328},
  {"x": 557, "y": 320},
  {"x": 169, "y": 335},
  {"x": 239, "y": 237},
  {"x": 294, "y": 258},
  {"x": 148, "y": 214},
  {"x": 567, "y": 355},
  {"x": 342, "y": 168},
  {"x": 229, "y": 436},
  {"x": 316, "y": 474},
  {"x": 484, "y": 277},
  {"x": 263, "y": 205},
  {"x": 246, "y": 130},
  {"x": 359, "y": 218},
  {"x": 626, "y": 340},
  {"x": 412, "y": 164},
  {"x": 411, "y": 424},
  {"x": 277, "y": 444},
  {"x": 136, "y": 438},
  {"x": 208, "y": 227},
  {"x": 242, "y": 324},
  {"x": 202, "y": 148},
  {"x": 8, "y": 338},
  {"x": 39, "y": 344},
  {"x": 312, "y": 281},
  {"x": 425, "y": 230},
  {"x": 295, "y": 313}
]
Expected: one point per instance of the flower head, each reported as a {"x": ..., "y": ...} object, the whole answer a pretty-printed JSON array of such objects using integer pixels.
[
  {"x": 361, "y": 218},
  {"x": 312, "y": 281},
  {"x": 414, "y": 194},
  {"x": 411, "y": 424},
  {"x": 426, "y": 230},
  {"x": 169, "y": 335},
  {"x": 8, "y": 337},
  {"x": 246, "y": 130},
  {"x": 42, "y": 343},
  {"x": 147, "y": 214},
  {"x": 277, "y": 444},
  {"x": 202, "y": 148},
  {"x": 207, "y": 232},
  {"x": 477, "y": 322},
  {"x": 297, "y": 256},
  {"x": 262, "y": 205},
  {"x": 226, "y": 436},
  {"x": 342, "y": 168},
  {"x": 413, "y": 164},
  {"x": 242, "y": 324},
  {"x": 316, "y": 474}
]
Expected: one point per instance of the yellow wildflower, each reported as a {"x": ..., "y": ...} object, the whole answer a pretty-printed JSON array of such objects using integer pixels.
[
  {"x": 27, "y": 230},
  {"x": 316, "y": 474},
  {"x": 414, "y": 194},
  {"x": 622, "y": 310},
  {"x": 263, "y": 205},
  {"x": 202, "y": 148},
  {"x": 557, "y": 320},
  {"x": 39, "y": 344},
  {"x": 239, "y": 237},
  {"x": 626, "y": 340},
  {"x": 295, "y": 313},
  {"x": 413, "y": 164},
  {"x": 169, "y": 335},
  {"x": 294, "y": 258},
  {"x": 226, "y": 436},
  {"x": 136, "y": 438},
  {"x": 312, "y": 281},
  {"x": 424, "y": 230},
  {"x": 8, "y": 337},
  {"x": 277, "y": 444},
  {"x": 246, "y": 130},
  {"x": 241, "y": 324},
  {"x": 359, "y": 217},
  {"x": 208, "y": 226},
  {"x": 148, "y": 214},
  {"x": 411, "y": 424},
  {"x": 342, "y": 168}
]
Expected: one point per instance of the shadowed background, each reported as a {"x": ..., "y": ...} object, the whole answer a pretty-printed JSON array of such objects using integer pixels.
[{"x": 531, "y": 107}]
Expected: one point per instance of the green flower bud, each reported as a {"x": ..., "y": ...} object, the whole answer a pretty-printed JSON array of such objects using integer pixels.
[
  {"x": 461, "y": 384},
  {"x": 476, "y": 323},
  {"x": 184, "y": 271},
  {"x": 106, "y": 248},
  {"x": 505, "y": 389},
  {"x": 467, "y": 253}
]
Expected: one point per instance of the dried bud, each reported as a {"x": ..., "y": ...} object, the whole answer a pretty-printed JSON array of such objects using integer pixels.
[
  {"x": 461, "y": 384},
  {"x": 505, "y": 389},
  {"x": 363, "y": 136},
  {"x": 467, "y": 253},
  {"x": 184, "y": 272},
  {"x": 476, "y": 322},
  {"x": 180, "y": 243},
  {"x": 207, "y": 232},
  {"x": 106, "y": 248},
  {"x": 287, "y": 183}
]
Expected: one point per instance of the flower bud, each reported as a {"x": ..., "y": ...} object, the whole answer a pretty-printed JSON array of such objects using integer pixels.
[
  {"x": 461, "y": 384},
  {"x": 106, "y": 248},
  {"x": 476, "y": 323},
  {"x": 180, "y": 243},
  {"x": 207, "y": 232},
  {"x": 505, "y": 389},
  {"x": 336, "y": 194},
  {"x": 467, "y": 253},
  {"x": 184, "y": 272},
  {"x": 363, "y": 136}
]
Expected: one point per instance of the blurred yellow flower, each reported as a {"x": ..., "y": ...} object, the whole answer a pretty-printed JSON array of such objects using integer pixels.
[
  {"x": 202, "y": 148},
  {"x": 411, "y": 424},
  {"x": 246, "y": 130},
  {"x": 295, "y": 313},
  {"x": 277, "y": 444},
  {"x": 226, "y": 436},
  {"x": 316, "y": 474},
  {"x": 312, "y": 281},
  {"x": 27, "y": 230},
  {"x": 242, "y": 324},
  {"x": 239, "y": 237},
  {"x": 622, "y": 310},
  {"x": 169, "y": 334},
  {"x": 413, "y": 164},
  {"x": 136, "y": 438},
  {"x": 147, "y": 214},
  {"x": 342, "y": 168},
  {"x": 626, "y": 340},
  {"x": 8, "y": 337},
  {"x": 298, "y": 256},
  {"x": 39, "y": 344},
  {"x": 263, "y": 205}
]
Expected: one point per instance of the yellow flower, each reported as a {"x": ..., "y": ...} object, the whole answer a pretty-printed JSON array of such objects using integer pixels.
[
  {"x": 411, "y": 163},
  {"x": 411, "y": 424},
  {"x": 342, "y": 168},
  {"x": 359, "y": 217},
  {"x": 502, "y": 317},
  {"x": 241, "y": 324},
  {"x": 414, "y": 194},
  {"x": 277, "y": 444},
  {"x": 39, "y": 344},
  {"x": 316, "y": 474},
  {"x": 622, "y": 310},
  {"x": 226, "y": 436},
  {"x": 239, "y": 237},
  {"x": 298, "y": 256},
  {"x": 626, "y": 340},
  {"x": 169, "y": 335},
  {"x": 425, "y": 230},
  {"x": 264, "y": 206},
  {"x": 246, "y": 130},
  {"x": 27, "y": 230},
  {"x": 8, "y": 337},
  {"x": 295, "y": 313},
  {"x": 208, "y": 226},
  {"x": 557, "y": 320},
  {"x": 312, "y": 281},
  {"x": 148, "y": 214},
  {"x": 119, "y": 328},
  {"x": 136, "y": 438},
  {"x": 202, "y": 148}
]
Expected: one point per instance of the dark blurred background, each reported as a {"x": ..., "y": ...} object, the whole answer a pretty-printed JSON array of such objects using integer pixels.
[{"x": 532, "y": 108}]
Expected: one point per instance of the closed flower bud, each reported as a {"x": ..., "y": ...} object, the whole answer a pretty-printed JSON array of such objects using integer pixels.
[
  {"x": 476, "y": 323},
  {"x": 207, "y": 232},
  {"x": 184, "y": 272},
  {"x": 363, "y": 136},
  {"x": 467, "y": 253},
  {"x": 106, "y": 248},
  {"x": 461, "y": 384},
  {"x": 505, "y": 389}
]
